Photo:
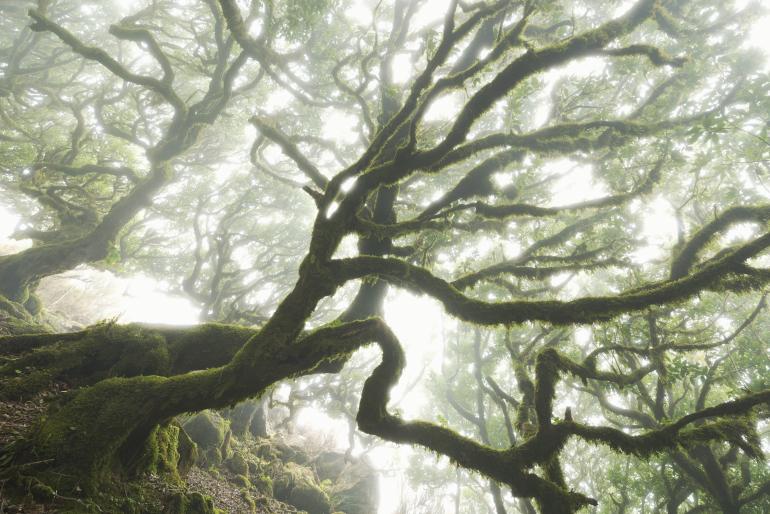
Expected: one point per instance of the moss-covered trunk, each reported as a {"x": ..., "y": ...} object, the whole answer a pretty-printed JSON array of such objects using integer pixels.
[
  {"x": 21, "y": 272},
  {"x": 104, "y": 428}
]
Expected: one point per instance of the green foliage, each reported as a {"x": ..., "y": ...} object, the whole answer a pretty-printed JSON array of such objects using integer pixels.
[{"x": 298, "y": 18}]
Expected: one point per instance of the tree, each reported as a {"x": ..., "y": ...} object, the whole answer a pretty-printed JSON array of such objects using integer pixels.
[{"x": 652, "y": 103}]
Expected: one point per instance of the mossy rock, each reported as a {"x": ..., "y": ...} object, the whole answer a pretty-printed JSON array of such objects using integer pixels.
[
  {"x": 297, "y": 486},
  {"x": 210, "y": 457},
  {"x": 355, "y": 485},
  {"x": 360, "y": 498},
  {"x": 238, "y": 464},
  {"x": 267, "y": 451},
  {"x": 188, "y": 453},
  {"x": 226, "y": 448},
  {"x": 240, "y": 417},
  {"x": 259, "y": 426},
  {"x": 193, "y": 503},
  {"x": 311, "y": 499},
  {"x": 207, "y": 429},
  {"x": 264, "y": 484},
  {"x": 291, "y": 454},
  {"x": 241, "y": 481},
  {"x": 41, "y": 492}
]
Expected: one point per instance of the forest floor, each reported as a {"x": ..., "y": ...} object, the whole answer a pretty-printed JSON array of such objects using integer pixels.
[
  {"x": 231, "y": 474},
  {"x": 18, "y": 417},
  {"x": 152, "y": 494}
]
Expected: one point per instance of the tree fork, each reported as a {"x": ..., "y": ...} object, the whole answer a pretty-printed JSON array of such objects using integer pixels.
[{"x": 90, "y": 437}]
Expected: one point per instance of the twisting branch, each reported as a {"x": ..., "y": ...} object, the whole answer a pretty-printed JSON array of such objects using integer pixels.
[
  {"x": 689, "y": 253},
  {"x": 162, "y": 87},
  {"x": 511, "y": 466},
  {"x": 584, "y": 310},
  {"x": 291, "y": 150}
]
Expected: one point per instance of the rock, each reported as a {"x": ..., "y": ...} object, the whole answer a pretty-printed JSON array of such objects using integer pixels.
[
  {"x": 237, "y": 464},
  {"x": 242, "y": 481},
  {"x": 355, "y": 488},
  {"x": 188, "y": 453},
  {"x": 264, "y": 485},
  {"x": 289, "y": 453},
  {"x": 329, "y": 465},
  {"x": 297, "y": 486},
  {"x": 360, "y": 498},
  {"x": 224, "y": 449},
  {"x": 193, "y": 503},
  {"x": 267, "y": 451},
  {"x": 259, "y": 425},
  {"x": 210, "y": 457},
  {"x": 240, "y": 417},
  {"x": 207, "y": 429}
]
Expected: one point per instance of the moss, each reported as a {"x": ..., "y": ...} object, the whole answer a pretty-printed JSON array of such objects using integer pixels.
[
  {"x": 225, "y": 449},
  {"x": 13, "y": 309},
  {"x": 15, "y": 319},
  {"x": 109, "y": 350},
  {"x": 237, "y": 464},
  {"x": 207, "y": 429},
  {"x": 210, "y": 457},
  {"x": 242, "y": 481},
  {"x": 288, "y": 453},
  {"x": 103, "y": 351},
  {"x": 267, "y": 451},
  {"x": 41, "y": 492},
  {"x": 311, "y": 499},
  {"x": 86, "y": 434},
  {"x": 297, "y": 486},
  {"x": 25, "y": 386},
  {"x": 161, "y": 452},
  {"x": 33, "y": 304},
  {"x": 205, "y": 346},
  {"x": 98, "y": 433},
  {"x": 193, "y": 503},
  {"x": 188, "y": 453},
  {"x": 142, "y": 356},
  {"x": 264, "y": 484},
  {"x": 249, "y": 501}
]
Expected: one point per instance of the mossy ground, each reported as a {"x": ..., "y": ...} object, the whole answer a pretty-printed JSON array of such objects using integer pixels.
[
  {"x": 174, "y": 475},
  {"x": 75, "y": 394}
]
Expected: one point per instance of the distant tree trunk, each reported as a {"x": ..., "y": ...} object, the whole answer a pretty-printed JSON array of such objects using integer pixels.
[
  {"x": 21, "y": 272},
  {"x": 258, "y": 426}
]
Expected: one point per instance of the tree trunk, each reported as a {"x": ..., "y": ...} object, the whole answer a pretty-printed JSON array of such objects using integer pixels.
[{"x": 108, "y": 427}]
